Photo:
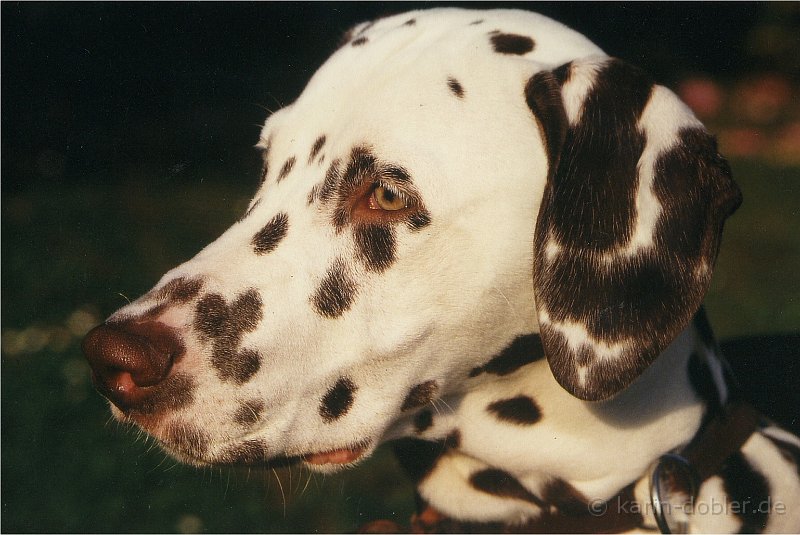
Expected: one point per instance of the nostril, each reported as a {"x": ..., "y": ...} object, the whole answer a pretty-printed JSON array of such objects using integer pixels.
[{"x": 128, "y": 357}]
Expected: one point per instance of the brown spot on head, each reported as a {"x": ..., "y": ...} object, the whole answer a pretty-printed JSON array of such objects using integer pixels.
[
  {"x": 266, "y": 239},
  {"x": 286, "y": 169},
  {"x": 187, "y": 439},
  {"x": 521, "y": 410},
  {"x": 476, "y": 22},
  {"x": 422, "y": 421},
  {"x": 332, "y": 178},
  {"x": 362, "y": 165},
  {"x": 250, "y": 452},
  {"x": 336, "y": 292},
  {"x": 177, "y": 291},
  {"x": 419, "y": 220},
  {"x": 375, "y": 245},
  {"x": 224, "y": 326},
  {"x": 359, "y": 41},
  {"x": 232, "y": 363},
  {"x": 509, "y": 43},
  {"x": 502, "y": 484},
  {"x": 523, "y": 350},
  {"x": 245, "y": 312},
  {"x": 410, "y": 22},
  {"x": 318, "y": 144},
  {"x": 211, "y": 314},
  {"x": 180, "y": 290},
  {"x": 338, "y": 400},
  {"x": 456, "y": 87},
  {"x": 174, "y": 393},
  {"x": 420, "y": 395},
  {"x": 248, "y": 412}
]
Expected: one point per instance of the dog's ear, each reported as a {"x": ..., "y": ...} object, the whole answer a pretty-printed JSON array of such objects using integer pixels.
[{"x": 629, "y": 225}]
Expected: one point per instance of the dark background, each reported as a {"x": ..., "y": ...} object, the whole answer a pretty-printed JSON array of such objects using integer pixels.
[
  {"x": 127, "y": 133},
  {"x": 93, "y": 90}
]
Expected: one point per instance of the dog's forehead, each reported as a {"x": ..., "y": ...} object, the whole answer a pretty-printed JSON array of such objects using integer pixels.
[
  {"x": 397, "y": 60},
  {"x": 424, "y": 86}
]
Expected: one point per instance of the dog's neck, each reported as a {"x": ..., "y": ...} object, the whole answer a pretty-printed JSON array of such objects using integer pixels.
[{"x": 594, "y": 449}]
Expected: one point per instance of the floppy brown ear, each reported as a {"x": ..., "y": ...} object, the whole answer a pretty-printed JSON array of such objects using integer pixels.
[{"x": 629, "y": 225}]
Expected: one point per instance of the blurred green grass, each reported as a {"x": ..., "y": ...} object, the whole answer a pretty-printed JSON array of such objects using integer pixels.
[{"x": 74, "y": 253}]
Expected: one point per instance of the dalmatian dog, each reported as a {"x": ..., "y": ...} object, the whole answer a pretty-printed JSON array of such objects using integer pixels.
[{"x": 481, "y": 238}]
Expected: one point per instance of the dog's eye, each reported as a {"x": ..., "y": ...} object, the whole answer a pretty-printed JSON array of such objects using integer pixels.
[{"x": 386, "y": 198}]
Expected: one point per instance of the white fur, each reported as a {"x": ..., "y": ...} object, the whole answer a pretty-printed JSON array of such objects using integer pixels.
[{"x": 459, "y": 290}]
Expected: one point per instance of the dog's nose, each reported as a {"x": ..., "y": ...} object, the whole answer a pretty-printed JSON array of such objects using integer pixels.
[{"x": 129, "y": 360}]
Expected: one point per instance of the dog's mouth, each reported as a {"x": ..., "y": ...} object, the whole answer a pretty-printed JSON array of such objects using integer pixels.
[{"x": 335, "y": 457}]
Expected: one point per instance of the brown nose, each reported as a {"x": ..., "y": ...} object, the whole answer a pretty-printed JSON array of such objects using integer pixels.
[{"x": 130, "y": 359}]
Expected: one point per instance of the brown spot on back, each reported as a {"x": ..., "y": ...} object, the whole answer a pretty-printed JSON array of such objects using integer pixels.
[
  {"x": 509, "y": 43},
  {"x": 566, "y": 498},
  {"x": 336, "y": 291},
  {"x": 338, "y": 400},
  {"x": 360, "y": 41},
  {"x": 410, "y": 22},
  {"x": 420, "y": 395},
  {"x": 523, "y": 350},
  {"x": 419, "y": 457},
  {"x": 521, "y": 410},
  {"x": 266, "y": 239},
  {"x": 286, "y": 169},
  {"x": 502, "y": 484}
]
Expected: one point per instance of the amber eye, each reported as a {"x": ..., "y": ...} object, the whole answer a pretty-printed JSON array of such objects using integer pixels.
[{"x": 384, "y": 198}]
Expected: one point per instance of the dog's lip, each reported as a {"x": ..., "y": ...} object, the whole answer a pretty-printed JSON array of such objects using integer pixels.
[{"x": 347, "y": 455}]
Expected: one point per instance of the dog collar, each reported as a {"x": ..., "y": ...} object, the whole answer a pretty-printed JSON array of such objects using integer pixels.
[{"x": 675, "y": 478}]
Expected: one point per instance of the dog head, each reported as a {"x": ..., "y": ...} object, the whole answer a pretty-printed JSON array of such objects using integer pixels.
[{"x": 448, "y": 181}]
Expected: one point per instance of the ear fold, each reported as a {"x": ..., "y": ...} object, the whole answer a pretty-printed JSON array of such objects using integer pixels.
[{"x": 629, "y": 225}]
